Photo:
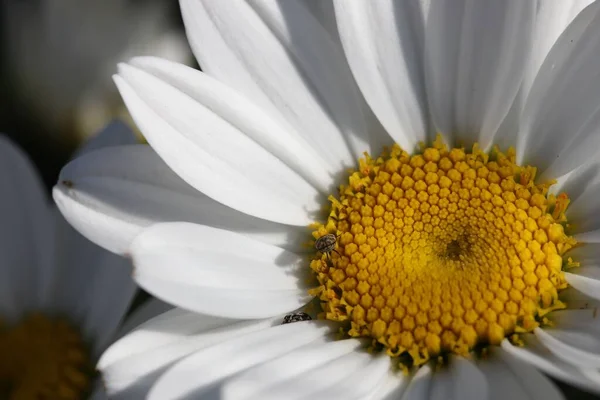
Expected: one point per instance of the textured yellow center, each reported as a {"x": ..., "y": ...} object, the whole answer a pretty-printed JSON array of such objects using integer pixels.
[
  {"x": 42, "y": 358},
  {"x": 442, "y": 251}
]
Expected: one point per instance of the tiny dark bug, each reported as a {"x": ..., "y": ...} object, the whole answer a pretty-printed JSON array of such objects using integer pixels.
[
  {"x": 326, "y": 244},
  {"x": 296, "y": 317}
]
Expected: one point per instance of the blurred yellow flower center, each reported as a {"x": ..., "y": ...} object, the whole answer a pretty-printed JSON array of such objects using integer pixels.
[
  {"x": 442, "y": 251},
  {"x": 42, "y": 358}
]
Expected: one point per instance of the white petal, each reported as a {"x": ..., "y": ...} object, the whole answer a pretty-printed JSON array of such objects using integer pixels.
[
  {"x": 132, "y": 364},
  {"x": 297, "y": 374},
  {"x": 462, "y": 380},
  {"x": 552, "y": 18},
  {"x": 580, "y": 348},
  {"x": 576, "y": 182},
  {"x": 584, "y": 212},
  {"x": 85, "y": 273},
  {"x": 363, "y": 381},
  {"x": 216, "y": 272},
  {"x": 324, "y": 11},
  {"x": 116, "y": 133},
  {"x": 474, "y": 59},
  {"x": 383, "y": 42},
  {"x": 26, "y": 241},
  {"x": 111, "y": 195},
  {"x": 280, "y": 56},
  {"x": 558, "y": 130},
  {"x": 584, "y": 319},
  {"x": 149, "y": 309},
  {"x": 510, "y": 378},
  {"x": 576, "y": 300},
  {"x": 213, "y": 155},
  {"x": 419, "y": 387},
  {"x": 391, "y": 386},
  {"x": 244, "y": 114},
  {"x": 201, "y": 372},
  {"x": 537, "y": 355},
  {"x": 322, "y": 377},
  {"x": 586, "y": 254},
  {"x": 588, "y": 237},
  {"x": 587, "y": 281}
]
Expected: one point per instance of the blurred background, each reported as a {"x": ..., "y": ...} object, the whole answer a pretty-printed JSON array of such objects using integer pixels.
[{"x": 56, "y": 62}]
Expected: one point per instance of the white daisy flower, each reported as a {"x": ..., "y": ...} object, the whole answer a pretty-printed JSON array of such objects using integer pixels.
[
  {"x": 448, "y": 269},
  {"x": 61, "y": 297}
]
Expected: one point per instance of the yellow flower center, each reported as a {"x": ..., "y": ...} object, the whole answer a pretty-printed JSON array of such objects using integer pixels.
[
  {"x": 42, "y": 358},
  {"x": 441, "y": 251}
]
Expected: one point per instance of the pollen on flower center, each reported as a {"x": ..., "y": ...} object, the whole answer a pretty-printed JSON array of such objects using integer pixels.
[
  {"x": 42, "y": 358},
  {"x": 442, "y": 251}
]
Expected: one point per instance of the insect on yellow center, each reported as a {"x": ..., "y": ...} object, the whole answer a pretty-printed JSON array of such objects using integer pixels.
[
  {"x": 441, "y": 251},
  {"x": 43, "y": 358}
]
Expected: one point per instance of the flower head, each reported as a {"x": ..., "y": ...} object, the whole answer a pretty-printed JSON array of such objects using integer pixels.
[{"x": 442, "y": 156}]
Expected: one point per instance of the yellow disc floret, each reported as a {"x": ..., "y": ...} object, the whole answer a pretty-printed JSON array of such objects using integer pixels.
[
  {"x": 442, "y": 251},
  {"x": 42, "y": 358}
]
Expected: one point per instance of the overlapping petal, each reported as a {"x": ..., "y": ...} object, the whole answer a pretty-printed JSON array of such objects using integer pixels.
[
  {"x": 559, "y": 122},
  {"x": 301, "y": 77},
  {"x": 206, "y": 149},
  {"x": 537, "y": 355},
  {"x": 217, "y": 272},
  {"x": 132, "y": 365},
  {"x": 383, "y": 42},
  {"x": 475, "y": 54},
  {"x": 202, "y": 374},
  {"x": 510, "y": 378},
  {"x": 111, "y": 195}
]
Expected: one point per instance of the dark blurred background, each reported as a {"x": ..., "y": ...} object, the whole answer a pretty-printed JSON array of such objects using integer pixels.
[{"x": 56, "y": 62}]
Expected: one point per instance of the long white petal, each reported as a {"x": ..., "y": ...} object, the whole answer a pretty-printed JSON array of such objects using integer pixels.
[
  {"x": 474, "y": 61},
  {"x": 584, "y": 212},
  {"x": 149, "y": 309},
  {"x": 420, "y": 385},
  {"x": 200, "y": 374},
  {"x": 576, "y": 300},
  {"x": 216, "y": 272},
  {"x": 26, "y": 240},
  {"x": 588, "y": 237},
  {"x": 132, "y": 364},
  {"x": 462, "y": 380},
  {"x": 280, "y": 56},
  {"x": 111, "y": 195},
  {"x": 580, "y": 348},
  {"x": 587, "y": 281},
  {"x": 383, "y": 42},
  {"x": 363, "y": 381},
  {"x": 511, "y": 378},
  {"x": 297, "y": 374},
  {"x": 537, "y": 355},
  {"x": 242, "y": 113},
  {"x": 578, "y": 181},
  {"x": 586, "y": 254},
  {"x": 391, "y": 387},
  {"x": 559, "y": 123},
  {"x": 213, "y": 155},
  {"x": 552, "y": 18}
]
